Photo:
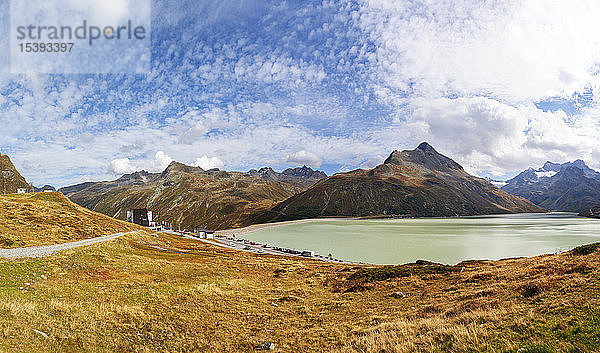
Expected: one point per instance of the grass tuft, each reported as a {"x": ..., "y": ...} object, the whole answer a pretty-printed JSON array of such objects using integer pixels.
[{"x": 535, "y": 348}]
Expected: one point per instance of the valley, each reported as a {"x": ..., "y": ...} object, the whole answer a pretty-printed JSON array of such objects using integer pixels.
[
  {"x": 126, "y": 288},
  {"x": 416, "y": 183}
]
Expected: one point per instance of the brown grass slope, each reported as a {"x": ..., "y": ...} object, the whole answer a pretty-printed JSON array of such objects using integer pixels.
[
  {"x": 420, "y": 182},
  {"x": 124, "y": 296},
  {"x": 189, "y": 197},
  {"x": 50, "y": 218}
]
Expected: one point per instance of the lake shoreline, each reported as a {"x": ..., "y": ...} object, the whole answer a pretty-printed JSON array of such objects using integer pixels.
[
  {"x": 448, "y": 240},
  {"x": 256, "y": 227}
]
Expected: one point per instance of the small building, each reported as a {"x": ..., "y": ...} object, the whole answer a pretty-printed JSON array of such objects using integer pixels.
[
  {"x": 308, "y": 253},
  {"x": 21, "y": 191},
  {"x": 140, "y": 216},
  {"x": 205, "y": 233}
]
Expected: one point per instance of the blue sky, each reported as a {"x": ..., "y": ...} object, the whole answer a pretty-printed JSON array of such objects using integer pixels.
[{"x": 336, "y": 85}]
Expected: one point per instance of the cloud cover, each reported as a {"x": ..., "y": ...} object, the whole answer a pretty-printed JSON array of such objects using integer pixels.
[{"x": 496, "y": 85}]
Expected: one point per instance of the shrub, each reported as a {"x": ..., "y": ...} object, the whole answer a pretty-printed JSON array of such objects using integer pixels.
[
  {"x": 531, "y": 289},
  {"x": 585, "y": 249},
  {"x": 386, "y": 272}
]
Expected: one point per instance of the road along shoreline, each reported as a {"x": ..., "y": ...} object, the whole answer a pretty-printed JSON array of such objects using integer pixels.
[{"x": 244, "y": 245}]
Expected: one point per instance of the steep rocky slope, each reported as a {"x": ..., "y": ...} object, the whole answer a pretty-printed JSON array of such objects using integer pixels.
[
  {"x": 420, "y": 182},
  {"x": 10, "y": 179},
  {"x": 572, "y": 187}
]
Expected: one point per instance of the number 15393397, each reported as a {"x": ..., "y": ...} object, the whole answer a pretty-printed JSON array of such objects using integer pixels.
[{"x": 46, "y": 47}]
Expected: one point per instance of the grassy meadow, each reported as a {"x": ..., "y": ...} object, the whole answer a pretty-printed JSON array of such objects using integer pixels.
[
  {"x": 127, "y": 296},
  {"x": 50, "y": 218}
]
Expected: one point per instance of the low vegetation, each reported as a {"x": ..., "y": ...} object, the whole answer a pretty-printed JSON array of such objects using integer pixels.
[
  {"x": 131, "y": 295},
  {"x": 585, "y": 249},
  {"x": 381, "y": 273},
  {"x": 50, "y": 218}
]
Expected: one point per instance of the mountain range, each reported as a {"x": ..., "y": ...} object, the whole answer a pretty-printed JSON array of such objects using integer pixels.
[
  {"x": 569, "y": 187},
  {"x": 189, "y": 197},
  {"x": 419, "y": 182},
  {"x": 303, "y": 177}
]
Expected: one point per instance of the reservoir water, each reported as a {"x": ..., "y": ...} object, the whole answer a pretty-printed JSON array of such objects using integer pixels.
[{"x": 445, "y": 240}]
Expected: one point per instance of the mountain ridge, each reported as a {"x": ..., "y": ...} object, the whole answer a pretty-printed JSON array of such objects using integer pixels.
[
  {"x": 190, "y": 196},
  {"x": 420, "y": 182},
  {"x": 301, "y": 176},
  {"x": 569, "y": 187}
]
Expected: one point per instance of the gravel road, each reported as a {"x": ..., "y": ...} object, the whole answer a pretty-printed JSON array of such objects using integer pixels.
[{"x": 47, "y": 250}]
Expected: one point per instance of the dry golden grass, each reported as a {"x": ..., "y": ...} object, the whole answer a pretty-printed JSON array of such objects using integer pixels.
[
  {"x": 50, "y": 218},
  {"x": 124, "y": 296}
]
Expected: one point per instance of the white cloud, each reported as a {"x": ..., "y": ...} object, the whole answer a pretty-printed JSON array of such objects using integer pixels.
[
  {"x": 110, "y": 12},
  {"x": 485, "y": 134},
  {"x": 497, "y": 57},
  {"x": 304, "y": 158},
  {"x": 372, "y": 162},
  {"x": 208, "y": 163},
  {"x": 124, "y": 166},
  {"x": 513, "y": 50},
  {"x": 121, "y": 166},
  {"x": 161, "y": 162}
]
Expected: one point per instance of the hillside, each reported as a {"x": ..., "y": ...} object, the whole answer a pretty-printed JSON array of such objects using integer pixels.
[
  {"x": 50, "y": 218},
  {"x": 10, "y": 179},
  {"x": 189, "y": 197},
  {"x": 420, "y": 183},
  {"x": 570, "y": 187},
  {"x": 126, "y": 296}
]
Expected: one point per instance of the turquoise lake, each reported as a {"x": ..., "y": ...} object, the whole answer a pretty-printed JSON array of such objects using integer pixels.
[{"x": 445, "y": 240}]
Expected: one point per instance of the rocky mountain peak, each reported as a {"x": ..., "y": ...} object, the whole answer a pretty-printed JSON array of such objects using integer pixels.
[
  {"x": 550, "y": 166},
  {"x": 580, "y": 164},
  {"x": 570, "y": 186},
  {"x": 302, "y": 176},
  {"x": 180, "y": 167},
  {"x": 571, "y": 171},
  {"x": 424, "y": 155},
  {"x": 139, "y": 177},
  {"x": 266, "y": 170},
  {"x": 304, "y": 171},
  {"x": 424, "y": 146}
]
